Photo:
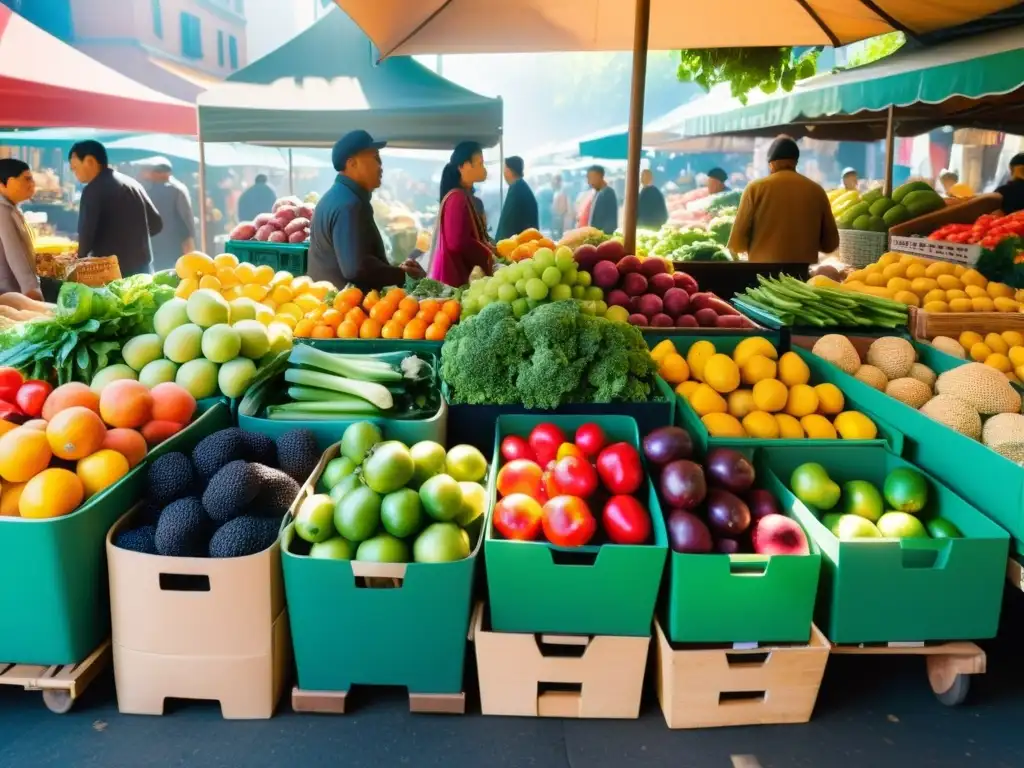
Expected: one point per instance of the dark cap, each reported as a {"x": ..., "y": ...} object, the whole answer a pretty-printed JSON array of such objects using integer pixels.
[
  {"x": 783, "y": 148},
  {"x": 718, "y": 173},
  {"x": 352, "y": 143},
  {"x": 1017, "y": 159},
  {"x": 515, "y": 164}
]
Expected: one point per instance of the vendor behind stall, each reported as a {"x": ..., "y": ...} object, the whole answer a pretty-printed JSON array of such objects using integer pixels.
[
  {"x": 1013, "y": 190},
  {"x": 785, "y": 217},
  {"x": 17, "y": 257},
  {"x": 520, "y": 210},
  {"x": 651, "y": 210}
]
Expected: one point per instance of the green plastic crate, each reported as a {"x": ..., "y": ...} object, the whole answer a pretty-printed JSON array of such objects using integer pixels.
[
  {"x": 55, "y": 609},
  {"x": 993, "y": 483},
  {"x": 376, "y": 346},
  {"x": 345, "y": 634},
  {"x": 535, "y": 586},
  {"x": 897, "y": 590},
  {"x": 290, "y": 257},
  {"x": 686, "y": 417}
]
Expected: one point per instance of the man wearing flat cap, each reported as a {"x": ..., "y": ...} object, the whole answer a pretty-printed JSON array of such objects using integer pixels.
[
  {"x": 716, "y": 181},
  {"x": 1013, "y": 190},
  {"x": 174, "y": 204},
  {"x": 345, "y": 245},
  {"x": 785, "y": 217},
  {"x": 520, "y": 209}
]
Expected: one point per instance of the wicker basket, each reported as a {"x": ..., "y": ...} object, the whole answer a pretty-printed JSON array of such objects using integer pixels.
[{"x": 858, "y": 249}]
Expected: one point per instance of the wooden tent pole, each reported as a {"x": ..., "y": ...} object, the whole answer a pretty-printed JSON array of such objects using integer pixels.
[
  {"x": 641, "y": 33},
  {"x": 890, "y": 144},
  {"x": 202, "y": 192}
]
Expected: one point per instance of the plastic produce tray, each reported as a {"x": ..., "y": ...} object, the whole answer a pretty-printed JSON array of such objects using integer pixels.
[{"x": 290, "y": 257}]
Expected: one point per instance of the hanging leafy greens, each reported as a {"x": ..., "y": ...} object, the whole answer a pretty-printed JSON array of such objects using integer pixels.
[{"x": 746, "y": 68}]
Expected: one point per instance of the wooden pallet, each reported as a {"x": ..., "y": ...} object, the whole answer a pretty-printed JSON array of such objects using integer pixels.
[
  {"x": 333, "y": 702},
  {"x": 949, "y": 665},
  {"x": 60, "y": 684}
]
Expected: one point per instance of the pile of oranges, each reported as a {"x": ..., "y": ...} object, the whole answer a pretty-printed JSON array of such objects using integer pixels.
[{"x": 391, "y": 315}]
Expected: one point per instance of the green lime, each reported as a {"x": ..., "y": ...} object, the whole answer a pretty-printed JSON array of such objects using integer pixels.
[{"x": 400, "y": 513}]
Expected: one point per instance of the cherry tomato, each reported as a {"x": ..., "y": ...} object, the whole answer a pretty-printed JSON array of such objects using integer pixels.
[
  {"x": 568, "y": 449},
  {"x": 520, "y": 476},
  {"x": 518, "y": 517},
  {"x": 544, "y": 440},
  {"x": 567, "y": 522},
  {"x": 574, "y": 476},
  {"x": 626, "y": 521},
  {"x": 514, "y": 447},
  {"x": 620, "y": 469},
  {"x": 32, "y": 395},
  {"x": 591, "y": 439},
  {"x": 10, "y": 382}
]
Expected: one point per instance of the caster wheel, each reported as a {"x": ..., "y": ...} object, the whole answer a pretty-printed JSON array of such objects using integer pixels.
[
  {"x": 956, "y": 694},
  {"x": 58, "y": 702}
]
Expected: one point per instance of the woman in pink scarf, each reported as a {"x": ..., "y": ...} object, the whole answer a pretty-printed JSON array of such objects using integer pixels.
[{"x": 460, "y": 242}]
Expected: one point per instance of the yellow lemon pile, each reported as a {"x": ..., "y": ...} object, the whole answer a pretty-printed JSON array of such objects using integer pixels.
[
  {"x": 934, "y": 286},
  {"x": 281, "y": 296},
  {"x": 756, "y": 393},
  {"x": 1002, "y": 351}
]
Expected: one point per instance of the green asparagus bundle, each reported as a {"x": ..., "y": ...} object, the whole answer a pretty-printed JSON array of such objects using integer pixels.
[{"x": 792, "y": 302}]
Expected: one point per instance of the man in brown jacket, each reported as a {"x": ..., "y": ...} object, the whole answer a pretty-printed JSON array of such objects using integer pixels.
[{"x": 785, "y": 217}]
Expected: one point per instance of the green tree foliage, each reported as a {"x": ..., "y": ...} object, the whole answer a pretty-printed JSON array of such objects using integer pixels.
[
  {"x": 877, "y": 48},
  {"x": 745, "y": 69}
]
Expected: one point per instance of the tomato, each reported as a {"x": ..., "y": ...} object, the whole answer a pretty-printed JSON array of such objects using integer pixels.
[
  {"x": 7, "y": 410},
  {"x": 514, "y": 447},
  {"x": 626, "y": 521},
  {"x": 568, "y": 449},
  {"x": 619, "y": 468},
  {"x": 591, "y": 439},
  {"x": 549, "y": 488},
  {"x": 10, "y": 382},
  {"x": 575, "y": 477},
  {"x": 518, "y": 517},
  {"x": 32, "y": 395},
  {"x": 544, "y": 440},
  {"x": 567, "y": 522},
  {"x": 520, "y": 476}
]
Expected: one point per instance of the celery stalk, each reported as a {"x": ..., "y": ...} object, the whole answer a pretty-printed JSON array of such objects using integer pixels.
[
  {"x": 348, "y": 366},
  {"x": 376, "y": 394}
]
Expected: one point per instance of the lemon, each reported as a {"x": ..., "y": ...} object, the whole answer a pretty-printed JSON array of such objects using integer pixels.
[
  {"x": 211, "y": 282},
  {"x": 225, "y": 261},
  {"x": 194, "y": 265},
  {"x": 973, "y": 277},
  {"x": 770, "y": 395},
  {"x": 723, "y": 425},
  {"x": 264, "y": 314},
  {"x": 186, "y": 287},
  {"x": 306, "y": 302},
  {"x": 1016, "y": 355},
  {"x": 793, "y": 370},
  {"x": 291, "y": 309},
  {"x": 685, "y": 389},
  {"x": 282, "y": 278},
  {"x": 697, "y": 356},
  {"x": 983, "y": 304},
  {"x": 758, "y": 367},
  {"x": 854, "y": 425},
  {"x": 975, "y": 292},
  {"x": 818, "y": 427},
  {"x": 1000, "y": 362},
  {"x": 246, "y": 273},
  {"x": 996, "y": 343},
  {"x": 761, "y": 425},
  {"x": 978, "y": 352},
  {"x": 232, "y": 293},
  {"x": 789, "y": 427},
  {"x": 741, "y": 402},
  {"x": 802, "y": 401},
  {"x": 830, "y": 399},
  {"x": 968, "y": 339},
  {"x": 254, "y": 291},
  {"x": 660, "y": 351},
  {"x": 227, "y": 277},
  {"x": 755, "y": 345},
  {"x": 1000, "y": 290},
  {"x": 288, "y": 320},
  {"x": 721, "y": 373},
  {"x": 705, "y": 400},
  {"x": 915, "y": 271}
]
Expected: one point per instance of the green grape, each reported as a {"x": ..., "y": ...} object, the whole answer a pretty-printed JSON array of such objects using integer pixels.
[
  {"x": 528, "y": 272},
  {"x": 507, "y": 293},
  {"x": 584, "y": 279},
  {"x": 533, "y": 303},
  {"x": 543, "y": 259},
  {"x": 588, "y": 307},
  {"x": 536, "y": 289},
  {"x": 561, "y": 292},
  {"x": 483, "y": 301},
  {"x": 579, "y": 292},
  {"x": 514, "y": 273},
  {"x": 521, "y": 286},
  {"x": 469, "y": 305},
  {"x": 568, "y": 276},
  {"x": 564, "y": 259},
  {"x": 601, "y": 308},
  {"x": 594, "y": 294},
  {"x": 552, "y": 276},
  {"x": 491, "y": 289},
  {"x": 520, "y": 307}
]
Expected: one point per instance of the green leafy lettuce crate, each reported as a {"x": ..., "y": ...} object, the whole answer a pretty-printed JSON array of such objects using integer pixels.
[
  {"x": 411, "y": 633},
  {"x": 687, "y": 418},
  {"x": 56, "y": 607},
  {"x": 598, "y": 589},
  {"x": 993, "y": 483},
  {"x": 896, "y": 590},
  {"x": 290, "y": 257}
]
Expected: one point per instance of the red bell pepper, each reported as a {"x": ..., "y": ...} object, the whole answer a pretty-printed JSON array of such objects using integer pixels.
[{"x": 32, "y": 395}]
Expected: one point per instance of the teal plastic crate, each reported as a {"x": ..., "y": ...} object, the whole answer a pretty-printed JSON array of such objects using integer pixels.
[
  {"x": 345, "y": 633},
  {"x": 56, "y": 607},
  {"x": 606, "y": 589},
  {"x": 290, "y": 257},
  {"x": 897, "y": 590},
  {"x": 376, "y": 346}
]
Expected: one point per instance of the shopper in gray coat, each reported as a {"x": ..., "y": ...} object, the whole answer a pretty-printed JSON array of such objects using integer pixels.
[{"x": 17, "y": 256}]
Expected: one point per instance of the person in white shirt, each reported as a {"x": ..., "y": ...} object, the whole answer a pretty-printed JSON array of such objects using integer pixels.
[{"x": 17, "y": 256}]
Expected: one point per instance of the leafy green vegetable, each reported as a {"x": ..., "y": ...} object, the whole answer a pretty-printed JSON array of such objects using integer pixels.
[
  {"x": 425, "y": 288},
  {"x": 1000, "y": 264},
  {"x": 745, "y": 69},
  {"x": 702, "y": 250}
]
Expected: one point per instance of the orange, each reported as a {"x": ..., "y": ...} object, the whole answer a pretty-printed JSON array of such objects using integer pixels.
[
  {"x": 396, "y": 294},
  {"x": 127, "y": 442},
  {"x": 348, "y": 330},
  {"x": 51, "y": 493},
  {"x": 76, "y": 432},
  {"x": 452, "y": 308},
  {"x": 155, "y": 432},
  {"x": 356, "y": 315},
  {"x": 415, "y": 329},
  {"x": 67, "y": 395},
  {"x": 100, "y": 470},
  {"x": 430, "y": 305},
  {"x": 24, "y": 453},
  {"x": 9, "y": 499},
  {"x": 382, "y": 311},
  {"x": 322, "y": 331},
  {"x": 436, "y": 332},
  {"x": 332, "y": 317},
  {"x": 125, "y": 403},
  {"x": 409, "y": 305},
  {"x": 304, "y": 328},
  {"x": 402, "y": 317},
  {"x": 370, "y": 299},
  {"x": 370, "y": 329},
  {"x": 528, "y": 235},
  {"x": 443, "y": 320},
  {"x": 352, "y": 296},
  {"x": 172, "y": 402},
  {"x": 391, "y": 330}
]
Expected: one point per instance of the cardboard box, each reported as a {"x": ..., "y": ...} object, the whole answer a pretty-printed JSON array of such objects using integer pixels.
[
  {"x": 713, "y": 687},
  {"x": 197, "y": 628},
  {"x": 590, "y": 676}
]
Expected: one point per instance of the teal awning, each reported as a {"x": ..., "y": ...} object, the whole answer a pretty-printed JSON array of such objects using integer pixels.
[
  {"x": 324, "y": 83},
  {"x": 973, "y": 82}
]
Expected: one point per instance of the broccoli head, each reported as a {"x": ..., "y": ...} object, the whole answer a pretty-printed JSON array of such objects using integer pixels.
[
  {"x": 481, "y": 357},
  {"x": 624, "y": 371}
]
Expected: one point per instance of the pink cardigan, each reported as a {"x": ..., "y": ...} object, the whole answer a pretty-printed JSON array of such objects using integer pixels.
[{"x": 460, "y": 242}]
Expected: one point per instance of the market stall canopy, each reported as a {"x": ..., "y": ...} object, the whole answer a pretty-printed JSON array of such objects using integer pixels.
[
  {"x": 614, "y": 143},
  {"x": 44, "y": 82},
  {"x": 323, "y": 83},
  {"x": 401, "y": 27},
  {"x": 974, "y": 82}
]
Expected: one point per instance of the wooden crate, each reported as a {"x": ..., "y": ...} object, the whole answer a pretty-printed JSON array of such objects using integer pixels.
[
  {"x": 334, "y": 702},
  {"x": 598, "y": 676},
  {"x": 708, "y": 687},
  {"x": 60, "y": 684},
  {"x": 925, "y": 326}
]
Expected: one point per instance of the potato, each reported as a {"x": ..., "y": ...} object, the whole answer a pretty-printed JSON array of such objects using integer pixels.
[
  {"x": 296, "y": 225},
  {"x": 733, "y": 321},
  {"x": 245, "y": 231},
  {"x": 299, "y": 237},
  {"x": 263, "y": 233},
  {"x": 285, "y": 214},
  {"x": 283, "y": 201},
  {"x": 306, "y": 211},
  {"x": 277, "y": 236},
  {"x": 263, "y": 218},
  {"x": 706, "y": 317}
]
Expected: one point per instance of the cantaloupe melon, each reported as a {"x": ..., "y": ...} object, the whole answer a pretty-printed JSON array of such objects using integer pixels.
[
  {"x": 872, "y": 377},
  {"x": 910, "y": 391},
  {"x": 892, "y": 355},
  {"x": 839, "y": 351},
  {"x": 955, "y": 414},
  {"x": 1004, "y": 434},
  {"x": 980, "y": 386}
]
